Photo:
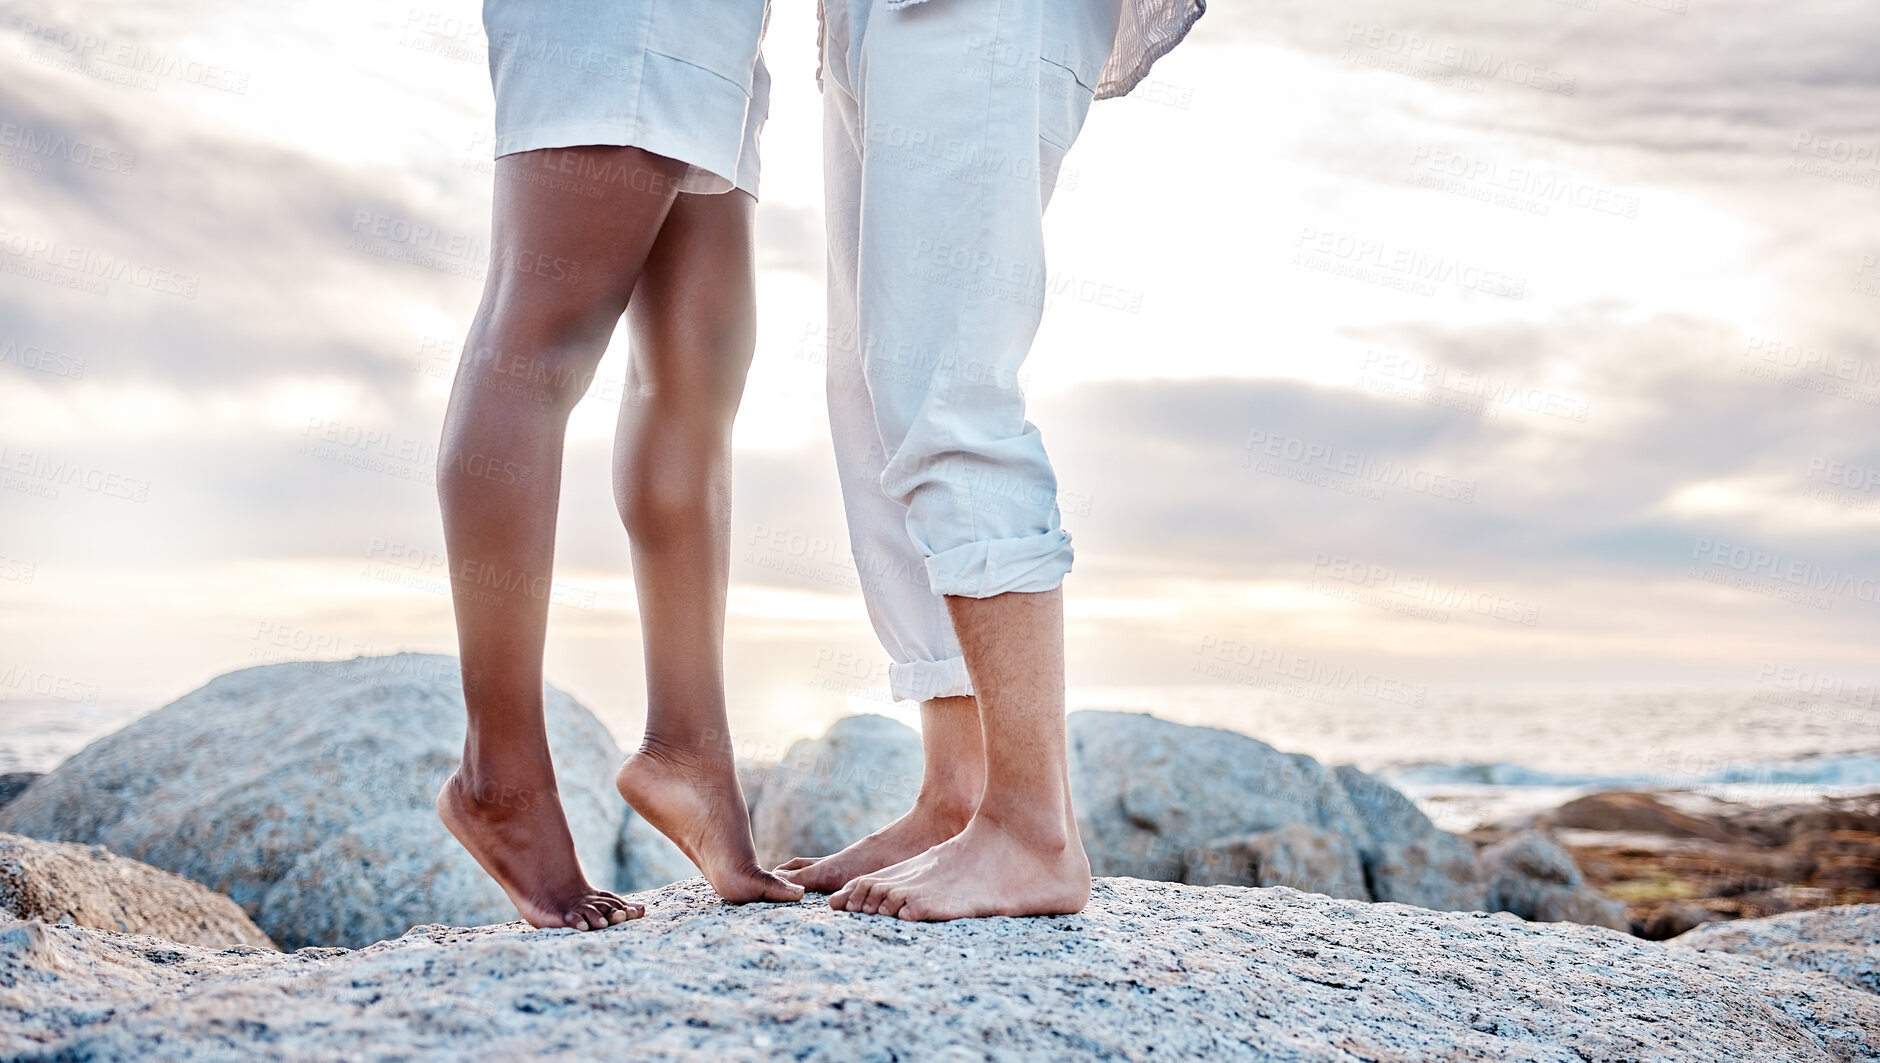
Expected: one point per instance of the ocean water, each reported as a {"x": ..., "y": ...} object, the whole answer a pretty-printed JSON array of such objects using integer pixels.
[{"x": 1467, "y": 754}]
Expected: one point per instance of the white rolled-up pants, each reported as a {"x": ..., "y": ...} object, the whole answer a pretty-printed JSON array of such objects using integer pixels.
[{"x": 945, "y": 126}]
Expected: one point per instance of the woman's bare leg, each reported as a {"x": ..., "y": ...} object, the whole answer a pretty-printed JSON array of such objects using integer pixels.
[
  {"x": 572, "y": 229},
  {"x": 693, "y": 318}
]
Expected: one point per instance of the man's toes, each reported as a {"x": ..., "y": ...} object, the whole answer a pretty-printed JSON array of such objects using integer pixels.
[{"x": 877, "y": 896}]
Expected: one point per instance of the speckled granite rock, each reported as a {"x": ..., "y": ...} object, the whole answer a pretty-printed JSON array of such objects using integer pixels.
[
  {"x": 1149, "y": 790},
  {"x": 833, "y": 790},
  {"x": 58, "y": 882},
  {"x": 1536, "y": 879},
  {"x": 1149, "y": 971},
  {"x": 1406, "y": 858},
  {"x": 1295, "y": 855},
  {"x": 1843, "y": 942},
  {"x": 304, "y": 791}
]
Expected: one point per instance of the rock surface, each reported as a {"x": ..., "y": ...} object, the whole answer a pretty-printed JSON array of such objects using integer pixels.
[
  {"x": 1406, "y": 858},
  {"x": 1149, "y": 971},
  {"x": 1148, "y": 791},
  {"x": 1295, "y": 855},
  {"x": 14, "y": 783},
  {"x": 828, "y": 792},
  {"x": 57, "y": 882},
  {"x": 1842, "y": 942},
  {"x": 304, "y": 791},
  {"x": 1535, "y": 879}
]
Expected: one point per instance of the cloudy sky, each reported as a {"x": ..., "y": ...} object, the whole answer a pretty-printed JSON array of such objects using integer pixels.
[{"x": 1443, "y": 343}]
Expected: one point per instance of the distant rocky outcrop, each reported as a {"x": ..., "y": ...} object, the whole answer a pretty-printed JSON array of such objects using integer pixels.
[
  {"x": 1217, "y": 973},
  {"x": 1406, "y": 858},
  {"x": 1536, "y": 879},
  {"x": 304, "y": 791},
  {"x": 1679, "y": 859},
  {"x": 1295, "y": 855},
  {"x": 1149, "y": 791},
  {"x": 85, "y": 885},
  {"x": 14, "y": 783},
  {"x": 1842, "y": 942}
]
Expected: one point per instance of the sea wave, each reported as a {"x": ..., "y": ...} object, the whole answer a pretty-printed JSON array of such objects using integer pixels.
[{"x": 1824, "y": 770}]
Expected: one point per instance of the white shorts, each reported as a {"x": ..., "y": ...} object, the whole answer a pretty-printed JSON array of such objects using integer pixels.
[{"x": 679, "y": 78}]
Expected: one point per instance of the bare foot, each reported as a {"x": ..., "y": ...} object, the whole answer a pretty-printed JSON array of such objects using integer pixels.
[
  {"x": 701, "y": 808},
  {"x": 987, "y": 869},
  {"x": 521, "y": 838},
  {"x": 924, "y": 826}
]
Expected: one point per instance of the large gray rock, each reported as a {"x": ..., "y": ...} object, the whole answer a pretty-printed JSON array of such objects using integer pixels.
[
  {"x": 1148, "y": 791},
  {"x": 305, "y": 792},
  {"x": 1842, "y": 942},
  {"x": 1217, "y": 974},
  {"x": 1536, "y": 879},
  {"x": 58, "y": 882},
  {"x": 1406, "y": 858},
  {"x": 1295, "y": 855},
  {"x": 834, "y": 790},
  {"x": 647, "y": 859}
]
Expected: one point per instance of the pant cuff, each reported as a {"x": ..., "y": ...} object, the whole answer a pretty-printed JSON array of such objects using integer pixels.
[
  {"x": 921, "y": 680},
  {"x": 1027, "y": 564}
]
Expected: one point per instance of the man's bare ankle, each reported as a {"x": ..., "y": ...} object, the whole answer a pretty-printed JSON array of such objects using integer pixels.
[
  {"x": 1042, "y": 828},
  {"x": 951, "y": 809}
]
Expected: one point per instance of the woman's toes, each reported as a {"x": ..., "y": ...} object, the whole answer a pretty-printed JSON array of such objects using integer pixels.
[{"x": 797, "y": 863}]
